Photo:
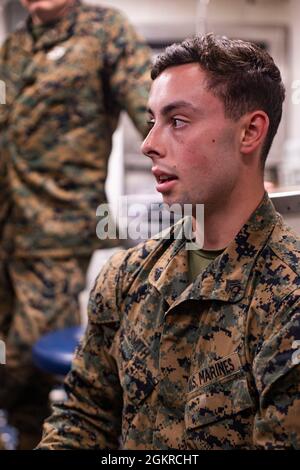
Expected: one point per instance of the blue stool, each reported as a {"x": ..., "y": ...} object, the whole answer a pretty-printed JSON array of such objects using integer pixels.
[{"x": 53, "y": 353}]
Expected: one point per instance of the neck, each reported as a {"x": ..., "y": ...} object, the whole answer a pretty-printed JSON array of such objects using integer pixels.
[
  {"x": 222, "y": 223},
  {"x": 47, "y": 17}
]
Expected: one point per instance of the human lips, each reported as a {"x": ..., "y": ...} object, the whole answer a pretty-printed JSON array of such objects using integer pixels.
[
  {"x": 162, "y": 176},
  {"x": 164, "y": 179}
]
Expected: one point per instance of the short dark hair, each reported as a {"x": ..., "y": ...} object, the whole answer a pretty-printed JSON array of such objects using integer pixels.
[{"x": 243, "y": 75}]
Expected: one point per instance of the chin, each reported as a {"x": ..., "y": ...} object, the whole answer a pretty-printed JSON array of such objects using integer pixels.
[{"x": 169, "y": 201}]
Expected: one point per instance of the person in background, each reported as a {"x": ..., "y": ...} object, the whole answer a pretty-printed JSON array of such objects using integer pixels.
[
  {"x": 69, "y": 71},
  {"x": 197, "y": 349}
]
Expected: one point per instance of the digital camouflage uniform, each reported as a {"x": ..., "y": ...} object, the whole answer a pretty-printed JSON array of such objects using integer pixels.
[
  {"x": 208, "y": 365},
  {"x": 66, "y": 85}
]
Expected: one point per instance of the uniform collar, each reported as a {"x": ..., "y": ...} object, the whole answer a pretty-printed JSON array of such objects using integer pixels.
[
  {"x": 56, "y": 31},
  {"x": 227, "y": 276}
]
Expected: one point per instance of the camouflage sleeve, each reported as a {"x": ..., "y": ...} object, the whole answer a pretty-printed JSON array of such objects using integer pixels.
[
  {"x": 5, "y": 85},
  {"x": 90, "y": 418},
  {"x": 276, "y": 369},
  {"x": 129, "y": 60},
  {"x": 4, "y": 196},
  {"x": 3, "y": 89},
  {"x": 4, "y": 186}
]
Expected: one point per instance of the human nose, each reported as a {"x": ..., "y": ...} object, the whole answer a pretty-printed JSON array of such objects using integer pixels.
[{"x": 153, "y": 144}]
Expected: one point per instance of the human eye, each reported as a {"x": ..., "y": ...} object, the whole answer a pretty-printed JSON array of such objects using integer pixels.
[{"x": 177, "y": 122}]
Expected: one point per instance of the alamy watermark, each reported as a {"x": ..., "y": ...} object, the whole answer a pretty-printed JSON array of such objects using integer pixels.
[
  {"x": 2, "y": 352},
  {"x": 138, "y": 221},
  {"x": 2, "y": 92}
]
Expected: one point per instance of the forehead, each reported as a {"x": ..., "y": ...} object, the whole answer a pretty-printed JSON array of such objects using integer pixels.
[{"x": 186, "y": 82}]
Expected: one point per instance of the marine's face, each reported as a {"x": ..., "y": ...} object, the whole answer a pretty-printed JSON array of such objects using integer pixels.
[
  {"x": 46, "y": 8},
  {"x": 193, "y": 146}
]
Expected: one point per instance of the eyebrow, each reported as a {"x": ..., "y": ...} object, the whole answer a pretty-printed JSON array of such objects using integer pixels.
[{"x": 174, "y": 106}]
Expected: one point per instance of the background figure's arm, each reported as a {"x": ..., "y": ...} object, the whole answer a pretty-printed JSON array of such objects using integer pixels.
[
  {"x": 276, "y": 369},
  {"x": 128, "y": 60},
  {"x": 4, "y": 107},
  {"x": 91, "y": 416},
  {"x": 4, "y": 83}
]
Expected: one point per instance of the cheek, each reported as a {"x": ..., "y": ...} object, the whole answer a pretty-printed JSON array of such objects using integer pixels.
[
  {"x": 198, "y": 158},
  {"x": 210, "y": 159},
  {"x": 193, "y": 156}
]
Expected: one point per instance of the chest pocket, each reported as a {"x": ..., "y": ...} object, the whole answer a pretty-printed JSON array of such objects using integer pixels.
[{"x": 220, "y": 415}]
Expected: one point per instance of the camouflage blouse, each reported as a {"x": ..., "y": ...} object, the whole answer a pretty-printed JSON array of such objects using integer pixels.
[{"x": 208, "y": 365}]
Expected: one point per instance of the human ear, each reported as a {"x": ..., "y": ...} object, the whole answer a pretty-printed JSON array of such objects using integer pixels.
[{"x": 255, "y": 126}]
